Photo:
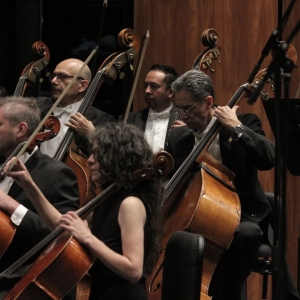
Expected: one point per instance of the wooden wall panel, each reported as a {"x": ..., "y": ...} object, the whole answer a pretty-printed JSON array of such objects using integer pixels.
[{"x": 244, "y": 27}]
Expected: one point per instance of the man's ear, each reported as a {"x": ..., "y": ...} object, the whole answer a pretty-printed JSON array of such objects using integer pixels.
[
  {"x": 22, "y": 129},
  {"x": 83, "y": 85},
  {"x": 171, "y": 93},
  {"x": 209, "y": 102}
]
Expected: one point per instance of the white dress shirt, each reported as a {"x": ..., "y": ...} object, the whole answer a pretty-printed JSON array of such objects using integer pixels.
[
  {"x": 156, "y": 128},
  {"x": 6, "y": 184},
  {"x": 63, "y": 114}
]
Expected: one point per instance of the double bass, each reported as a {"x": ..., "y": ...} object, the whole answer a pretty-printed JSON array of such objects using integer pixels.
[
  {"x": 33, "y": 70},
  {"x": 201, "y": 198},
  {"x": 210, "y": 39},
  {"x": 108, "y": 72},
  {"x": 52, "y": 126}
]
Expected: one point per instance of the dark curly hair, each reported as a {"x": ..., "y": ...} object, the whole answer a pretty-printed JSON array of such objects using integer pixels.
[{"x": 120, "y": 150}]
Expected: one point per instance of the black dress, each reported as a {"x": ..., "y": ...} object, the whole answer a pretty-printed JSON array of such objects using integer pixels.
[{"x": 107, "y": 285}]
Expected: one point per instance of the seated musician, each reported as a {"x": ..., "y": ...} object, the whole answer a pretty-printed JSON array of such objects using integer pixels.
[
  {"x": 156, "y": 119},
  {"x": 19, "y": 117},
  {"x": 69, "y": 105},
  {"x": 242, "y": 147},
  {"x": 124, "y": 230}
]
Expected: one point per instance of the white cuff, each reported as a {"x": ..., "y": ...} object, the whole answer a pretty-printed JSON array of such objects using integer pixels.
[{"x": 18, "y": 214}]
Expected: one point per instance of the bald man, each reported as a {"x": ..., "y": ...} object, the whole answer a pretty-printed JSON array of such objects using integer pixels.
[{"x": 69, "y": 105}]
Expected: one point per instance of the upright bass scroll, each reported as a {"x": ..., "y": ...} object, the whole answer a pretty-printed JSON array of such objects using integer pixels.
[
  {"x": 33, "y": 70},
  {"x": 210, "y": 39}
]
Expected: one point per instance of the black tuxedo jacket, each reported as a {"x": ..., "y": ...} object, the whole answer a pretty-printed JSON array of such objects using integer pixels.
[
  {"x": 59, "y": 185},
  {"x": 93, "y": 114},
  {"x": 139, "y": 119},
  {"x": 244, "y": 157}
]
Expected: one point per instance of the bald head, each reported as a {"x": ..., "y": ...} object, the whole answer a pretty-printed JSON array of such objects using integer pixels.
[
  {"x": 63, "y": 74},
  {"x": 73, "y": 65}
]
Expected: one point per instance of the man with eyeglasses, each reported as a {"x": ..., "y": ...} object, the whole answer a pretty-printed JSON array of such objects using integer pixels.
[
  {"x": 156, "y": 119},
  {"x": 66, "y": 111},
  {"x": 242, "y": 147}
]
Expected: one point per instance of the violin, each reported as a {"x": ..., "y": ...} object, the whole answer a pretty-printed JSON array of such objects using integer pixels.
[
  {"x": 65, "y": 254},
  {"x": 33, "y": 70},
  {"x": 108, "y": 72}
]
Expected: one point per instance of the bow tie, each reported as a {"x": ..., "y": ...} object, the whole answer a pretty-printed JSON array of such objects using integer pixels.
[
  {"x": 60, "y": 110},
  {"x": 159, "y": 115}
]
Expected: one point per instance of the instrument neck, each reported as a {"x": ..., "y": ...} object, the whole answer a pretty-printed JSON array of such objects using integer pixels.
[
  {"x": 20, "y": 86},
  {"x": 86, "y": 103}
]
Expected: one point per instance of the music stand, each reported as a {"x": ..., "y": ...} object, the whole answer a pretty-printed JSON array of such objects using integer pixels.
[{"x": 289, "y": 126}]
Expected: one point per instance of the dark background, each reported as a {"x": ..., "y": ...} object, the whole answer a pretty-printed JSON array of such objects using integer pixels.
[{"x": 69, "y": 28}]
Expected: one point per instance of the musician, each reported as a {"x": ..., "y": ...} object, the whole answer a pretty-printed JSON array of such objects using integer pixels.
[
  {"x": 125, "y": 229},
  {"x": 243, "y": 148},
  {"x": 19, "y": 117},
  {"x": 157, "y": 118},
  {"x": 69, "y": 105}
]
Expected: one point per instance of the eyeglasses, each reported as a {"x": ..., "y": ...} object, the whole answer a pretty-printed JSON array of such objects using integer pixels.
[
  {"x": 185, "y": 112},
  {"x": 61, "y": 77}
]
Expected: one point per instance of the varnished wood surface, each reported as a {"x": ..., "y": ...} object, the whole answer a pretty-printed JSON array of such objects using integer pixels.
[{"x": 244, "y": 27}]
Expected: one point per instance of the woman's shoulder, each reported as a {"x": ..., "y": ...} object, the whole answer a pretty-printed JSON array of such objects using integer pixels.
[{"x": 132, "y": 201}]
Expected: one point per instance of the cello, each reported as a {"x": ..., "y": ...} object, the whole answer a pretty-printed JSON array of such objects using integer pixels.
[
  {"x": 108, "y": 71},
  {"x": 65, "y": 254}
]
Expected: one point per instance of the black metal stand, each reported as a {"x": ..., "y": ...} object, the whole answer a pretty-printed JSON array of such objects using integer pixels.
[{"x": 280, "y": 67}]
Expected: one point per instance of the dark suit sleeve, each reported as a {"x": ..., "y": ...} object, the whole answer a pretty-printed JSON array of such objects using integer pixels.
[
  {"x": 59, "y": 185},
  {"x": 260, "y": 150},
  {"x": 131, "y": 118},
  {"x": 180, "y": 143}
]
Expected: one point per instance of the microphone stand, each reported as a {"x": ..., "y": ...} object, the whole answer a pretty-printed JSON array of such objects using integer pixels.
[
  {"x": 279, "y": 64},
  {"x": 271, "y": 44}
]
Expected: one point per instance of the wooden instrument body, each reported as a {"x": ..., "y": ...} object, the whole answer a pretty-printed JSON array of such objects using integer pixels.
[
  {"x": 204, "y": 205},
  {"x": 77, "y": 161},
  {"x": 8, "y": 230},
  {"x": 66, "y": 257}
]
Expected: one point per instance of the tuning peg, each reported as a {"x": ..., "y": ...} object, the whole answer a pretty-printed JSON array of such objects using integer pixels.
[{"x": 207, "y": 63}]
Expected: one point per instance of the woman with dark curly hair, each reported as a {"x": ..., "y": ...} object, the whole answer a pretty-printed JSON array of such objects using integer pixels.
[{"x": 124, "y": 234}]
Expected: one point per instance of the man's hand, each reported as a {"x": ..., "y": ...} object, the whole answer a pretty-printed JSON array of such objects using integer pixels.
[
  {"x": 227, "y": 116},
  {"x": 80, "y": 124}
]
